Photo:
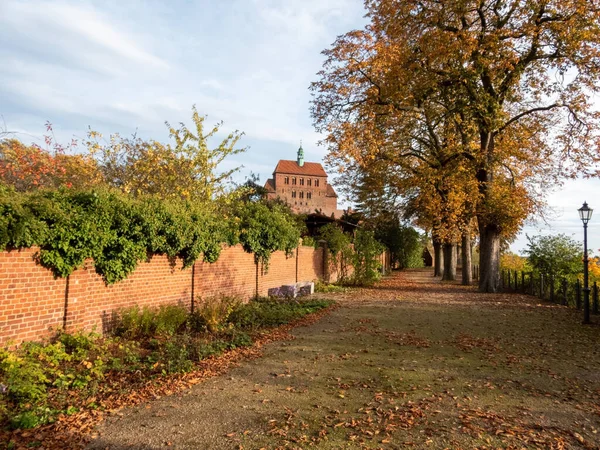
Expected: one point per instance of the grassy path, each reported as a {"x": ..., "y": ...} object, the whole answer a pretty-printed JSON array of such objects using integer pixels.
[{"x": 411, "y": 363}]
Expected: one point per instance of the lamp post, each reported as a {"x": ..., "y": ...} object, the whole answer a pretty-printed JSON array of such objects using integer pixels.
[{"x": 585, "y": 214}]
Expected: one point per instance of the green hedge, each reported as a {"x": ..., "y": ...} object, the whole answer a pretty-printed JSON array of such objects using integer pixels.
[{"x": 118, "y": 231}]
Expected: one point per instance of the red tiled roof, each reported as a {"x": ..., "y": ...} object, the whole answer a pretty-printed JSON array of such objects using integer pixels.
[
  {"x": 270, "y": 185},
  {"x": 330, "y": 192},
  {"x": 310, "y": 169}
]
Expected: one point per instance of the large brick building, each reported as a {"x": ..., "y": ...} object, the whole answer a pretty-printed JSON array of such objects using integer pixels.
[{"x": 303, "y": 185}]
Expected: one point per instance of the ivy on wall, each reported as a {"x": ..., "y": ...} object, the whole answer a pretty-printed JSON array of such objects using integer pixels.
[
  {"x": 114, "y": 230},
  {"x": 266, "y": 228}
]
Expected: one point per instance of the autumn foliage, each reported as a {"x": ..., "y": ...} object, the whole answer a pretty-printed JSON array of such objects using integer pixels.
[
  {"x": 30, "y": 167},
  {"x": 467, "y": 110}
]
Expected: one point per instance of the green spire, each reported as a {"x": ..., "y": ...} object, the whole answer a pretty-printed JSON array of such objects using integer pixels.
[{"x": 300, "y": 155}]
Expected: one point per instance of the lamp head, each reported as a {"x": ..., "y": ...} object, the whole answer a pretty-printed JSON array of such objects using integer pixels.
[{"x": 585, "y": 213}]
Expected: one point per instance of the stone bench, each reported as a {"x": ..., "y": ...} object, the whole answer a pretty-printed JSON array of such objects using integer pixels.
[{"x": 293, "y": 290}]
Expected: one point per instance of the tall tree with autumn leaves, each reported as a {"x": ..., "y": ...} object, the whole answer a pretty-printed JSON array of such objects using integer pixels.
[{"x": 513, "y": 79}]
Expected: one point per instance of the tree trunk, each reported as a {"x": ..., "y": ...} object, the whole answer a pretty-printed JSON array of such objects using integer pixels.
[
  {"x": 449, "y": 262},
  {"x": 489, "y": 259},
  {"x": 438, "y": 259},
  {"x": 489, "y": 232},
  {"x": 467, "y": 269}
]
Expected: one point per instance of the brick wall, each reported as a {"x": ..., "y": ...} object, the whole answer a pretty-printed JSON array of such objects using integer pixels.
[
  {"x": 31, "y": 300},
  {"x": 33, "y": 304}
]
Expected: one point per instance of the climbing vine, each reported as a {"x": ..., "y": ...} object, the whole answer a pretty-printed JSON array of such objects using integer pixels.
[
  {"x": 117, "y": 231},
  {"x": 267, "y": 228},
  {"x": 114, "y": 230}
]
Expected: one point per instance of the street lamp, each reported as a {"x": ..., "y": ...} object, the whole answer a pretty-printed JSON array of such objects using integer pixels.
[{"x": 585, "y": 214}]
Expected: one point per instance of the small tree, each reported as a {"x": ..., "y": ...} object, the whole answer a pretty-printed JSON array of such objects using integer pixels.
[
  {"x": 404, "y": 242},
  {"x": 186, "y": 169}
]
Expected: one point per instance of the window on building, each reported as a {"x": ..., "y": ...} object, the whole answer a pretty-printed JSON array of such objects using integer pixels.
[
  {"x": 309, "y": 195},
  {"x": 293, "y": 194},
  {"x": 301, "y": 181},
  {"x": 286, "y": 180},
  {"x": 316, "y": 182},
  {"x": 301, "y": 194},
  {"x": 293, "y": 180},
  {"x": 309, "y": 182}
]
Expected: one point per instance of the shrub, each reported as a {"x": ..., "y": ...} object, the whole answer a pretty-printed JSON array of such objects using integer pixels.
[
  {"x": 327, "y": 288},
  {"x": 335, "y": 238},
  {"x": 175, "y": 354},
  {"x": 309, "y": 241},
  {"x": 38, "y": 381},
  {"x": 212, "y": 312},
  {"x": 555, "y": 256},
  {"x": 365, "y": 259},
  {"x": 263, "y": 312},
  {"x": 266, "y": 228},
  {"x": 25, "y": 379},
  {"x": 114, "y": 230},
  {"x": 165, "y": 320}
]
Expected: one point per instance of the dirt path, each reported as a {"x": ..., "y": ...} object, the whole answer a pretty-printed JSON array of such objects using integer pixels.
[{"x": 411, "y": 363}]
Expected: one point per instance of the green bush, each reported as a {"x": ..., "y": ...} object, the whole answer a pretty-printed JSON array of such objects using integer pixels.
[
  {"x": 176, "y": 354},
  {"x": 34, "y": 370},
  {"x": 310, "y": 241},
  {"x": 337, "y": 241},
  {"x": 266, "y": 228},
  {"x": 25, "y": 379},
  {"x": 114, "y": 230},
  {"x": 118, "y": 231},
  {"x": 32, "y": 418},
  {"x": 405, "y": 244},
  {"x": 555, "y": 256},
  {"x": 40, "y": 380},
  {"x": 327, "y": 288}
]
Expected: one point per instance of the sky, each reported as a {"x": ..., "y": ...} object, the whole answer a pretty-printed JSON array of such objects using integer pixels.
[{"x": 128, "y": 66}]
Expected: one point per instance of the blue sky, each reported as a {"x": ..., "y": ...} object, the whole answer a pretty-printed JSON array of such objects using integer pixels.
[{"x": 127, "y": 66}]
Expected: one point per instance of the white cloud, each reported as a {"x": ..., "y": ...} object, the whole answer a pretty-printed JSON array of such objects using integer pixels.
[{"x": 78, "y": 32}]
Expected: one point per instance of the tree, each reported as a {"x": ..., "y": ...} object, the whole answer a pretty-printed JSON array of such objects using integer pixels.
[
  {"x": 554, "y": 256},
  {"x": 512, "y": 261},
  {"x": 187, "y": 168},
  {"x": 513, "y": 79},
  {"x": 30, "y": 167},
  {"x": 404, "y": 242}
]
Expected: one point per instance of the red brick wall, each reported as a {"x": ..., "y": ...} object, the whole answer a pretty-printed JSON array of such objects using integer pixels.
[
  {"x": 33, "y": 303},
  {"x": 91, "y": 303},
  {"x": 234, "y": 273},
  {"x": 31, "y": 300}
]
